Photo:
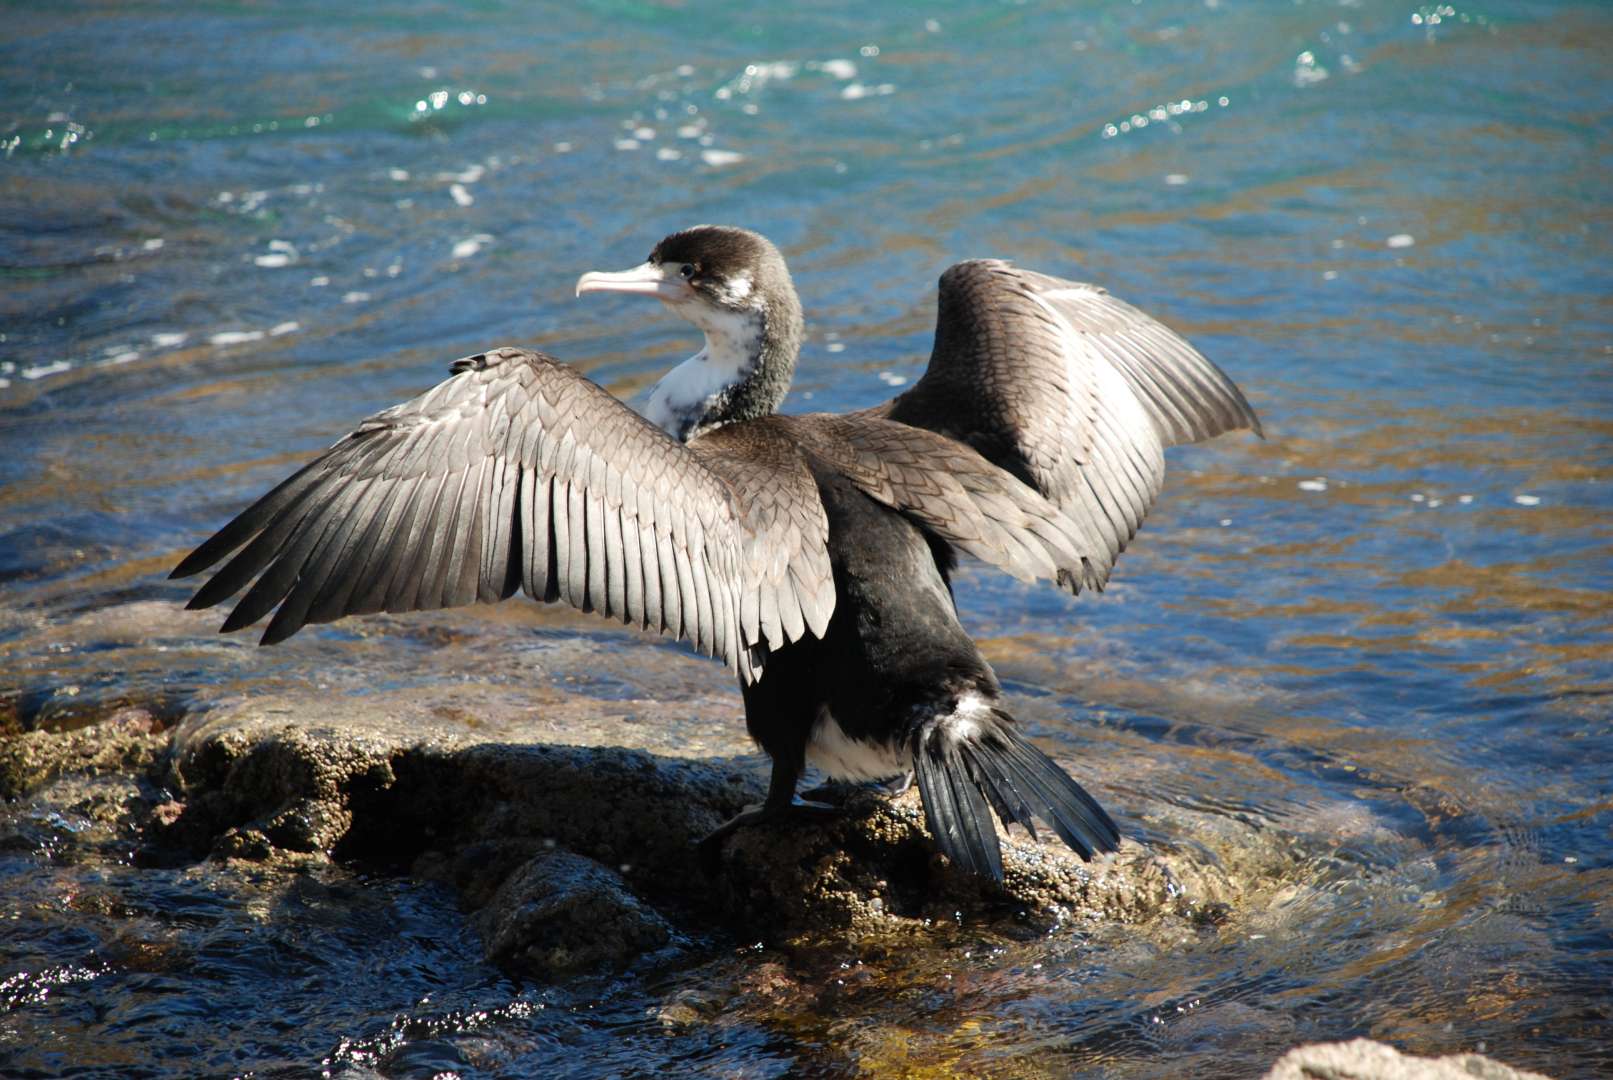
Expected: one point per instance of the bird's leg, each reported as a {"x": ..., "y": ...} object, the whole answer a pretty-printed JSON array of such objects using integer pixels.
[{"x": 779, "y": 804}]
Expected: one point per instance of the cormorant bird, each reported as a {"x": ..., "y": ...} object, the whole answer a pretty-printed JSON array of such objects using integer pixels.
[{"x": 812, "y": 554}]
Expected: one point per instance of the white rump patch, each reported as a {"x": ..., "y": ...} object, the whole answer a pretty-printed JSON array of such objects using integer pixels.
[{"x": 964, "y": 723}]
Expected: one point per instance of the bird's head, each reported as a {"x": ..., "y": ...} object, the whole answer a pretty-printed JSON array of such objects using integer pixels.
[
  {"x": 715, "y": 276},
  {"x": 733, "y": 285}
]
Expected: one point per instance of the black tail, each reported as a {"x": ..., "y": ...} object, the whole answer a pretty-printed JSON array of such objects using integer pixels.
[{"x": 971, "y": 757}]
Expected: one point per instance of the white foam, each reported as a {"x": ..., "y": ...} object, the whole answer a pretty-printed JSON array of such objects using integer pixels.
[
  {"x": 1526, "y": 500},
  {"x": 236, "y": 337},
  {"x": 168, "y": 340},
  {"x": 1307, "y": 71},
  {"x": 355, "y": 297},
  {"x": 1401, "y": 240},
  {"x": 288, "y": 327},
  {"x": 274, "y": 260},
  {"x": 721, "y": 157},
  {"x": 1318, "y": 484},
  {"x": 460, "y": 196},
  {"x": 471, "y": 245},
  {"x": 855, "y": 90},
  {"x": 39, "y": 371}
]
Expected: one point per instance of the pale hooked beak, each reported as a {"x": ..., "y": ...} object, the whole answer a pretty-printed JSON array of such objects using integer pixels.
[{"x": 645, "y": 279}]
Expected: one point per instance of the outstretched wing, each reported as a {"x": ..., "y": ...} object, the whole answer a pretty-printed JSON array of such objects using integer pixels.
[
  {"x": 1071, "y": 390},
  {"x": 519, "y": 472}
]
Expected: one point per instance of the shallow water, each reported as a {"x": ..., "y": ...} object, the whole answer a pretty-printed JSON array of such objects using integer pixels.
[{"x": 228, "y": 233}]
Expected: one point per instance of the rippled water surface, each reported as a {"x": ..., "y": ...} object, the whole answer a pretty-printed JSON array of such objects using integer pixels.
[{"x": 229, "y": 230}]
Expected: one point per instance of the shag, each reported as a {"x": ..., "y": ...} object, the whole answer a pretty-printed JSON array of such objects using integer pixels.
[{"x": 812, "y": 554}]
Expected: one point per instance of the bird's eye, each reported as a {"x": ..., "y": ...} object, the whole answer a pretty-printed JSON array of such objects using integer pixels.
[{"x": 686, "y": 271}]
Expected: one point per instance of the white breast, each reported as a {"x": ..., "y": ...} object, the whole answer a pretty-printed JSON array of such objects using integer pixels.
[{"x": 733, "y": 344}]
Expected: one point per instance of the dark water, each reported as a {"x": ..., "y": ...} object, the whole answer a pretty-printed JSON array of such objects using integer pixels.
[{"x": 230, "y": 230}]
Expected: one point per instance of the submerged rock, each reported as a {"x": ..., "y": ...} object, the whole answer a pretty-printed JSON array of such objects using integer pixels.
[
  {"x": 561, "y": 913},
  {"x": 1364, "y": 1059}
]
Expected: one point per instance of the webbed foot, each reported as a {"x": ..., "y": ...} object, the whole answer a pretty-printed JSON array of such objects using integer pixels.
[
  {"x": 709, "y": 847},
  {"x": 837, "y": 792}
]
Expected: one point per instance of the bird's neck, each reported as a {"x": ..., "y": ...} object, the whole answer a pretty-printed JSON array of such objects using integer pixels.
[{"x": 742, "y": 373}]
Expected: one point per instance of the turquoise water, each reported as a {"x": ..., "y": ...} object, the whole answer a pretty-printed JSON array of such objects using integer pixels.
[{"x": 229, "y": 231}]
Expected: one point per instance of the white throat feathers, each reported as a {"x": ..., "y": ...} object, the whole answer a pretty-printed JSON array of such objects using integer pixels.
[{"x": 701, "y": 385}]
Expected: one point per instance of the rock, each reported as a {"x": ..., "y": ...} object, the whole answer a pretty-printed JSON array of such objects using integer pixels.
[
  {"x": 125, "y": 742},
  {"x": 561, "y": 913},
  {"x": 258, "y": 782},
  {"x": 491, "y": 808},
  {"x": 877, "y": 871},
  {"x": 1364, "y": 1059}
]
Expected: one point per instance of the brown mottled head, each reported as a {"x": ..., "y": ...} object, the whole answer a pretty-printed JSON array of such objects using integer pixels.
[
  {"x": 732, "y": 267},
  {"x": 731, "y": 283}
]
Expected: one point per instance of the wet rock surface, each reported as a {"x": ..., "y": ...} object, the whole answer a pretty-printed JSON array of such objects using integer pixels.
[
  {"x": 531, "y": 832},
  {"x": 261, "y": 783},
  {"x": 560, "y": 913},
  {"x": 126, "y": 742}
]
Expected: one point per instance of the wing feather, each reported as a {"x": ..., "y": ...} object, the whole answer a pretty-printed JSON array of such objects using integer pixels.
[
  {"x": 1072, "y": 391},
  {"x": 518, "y": 472}
]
